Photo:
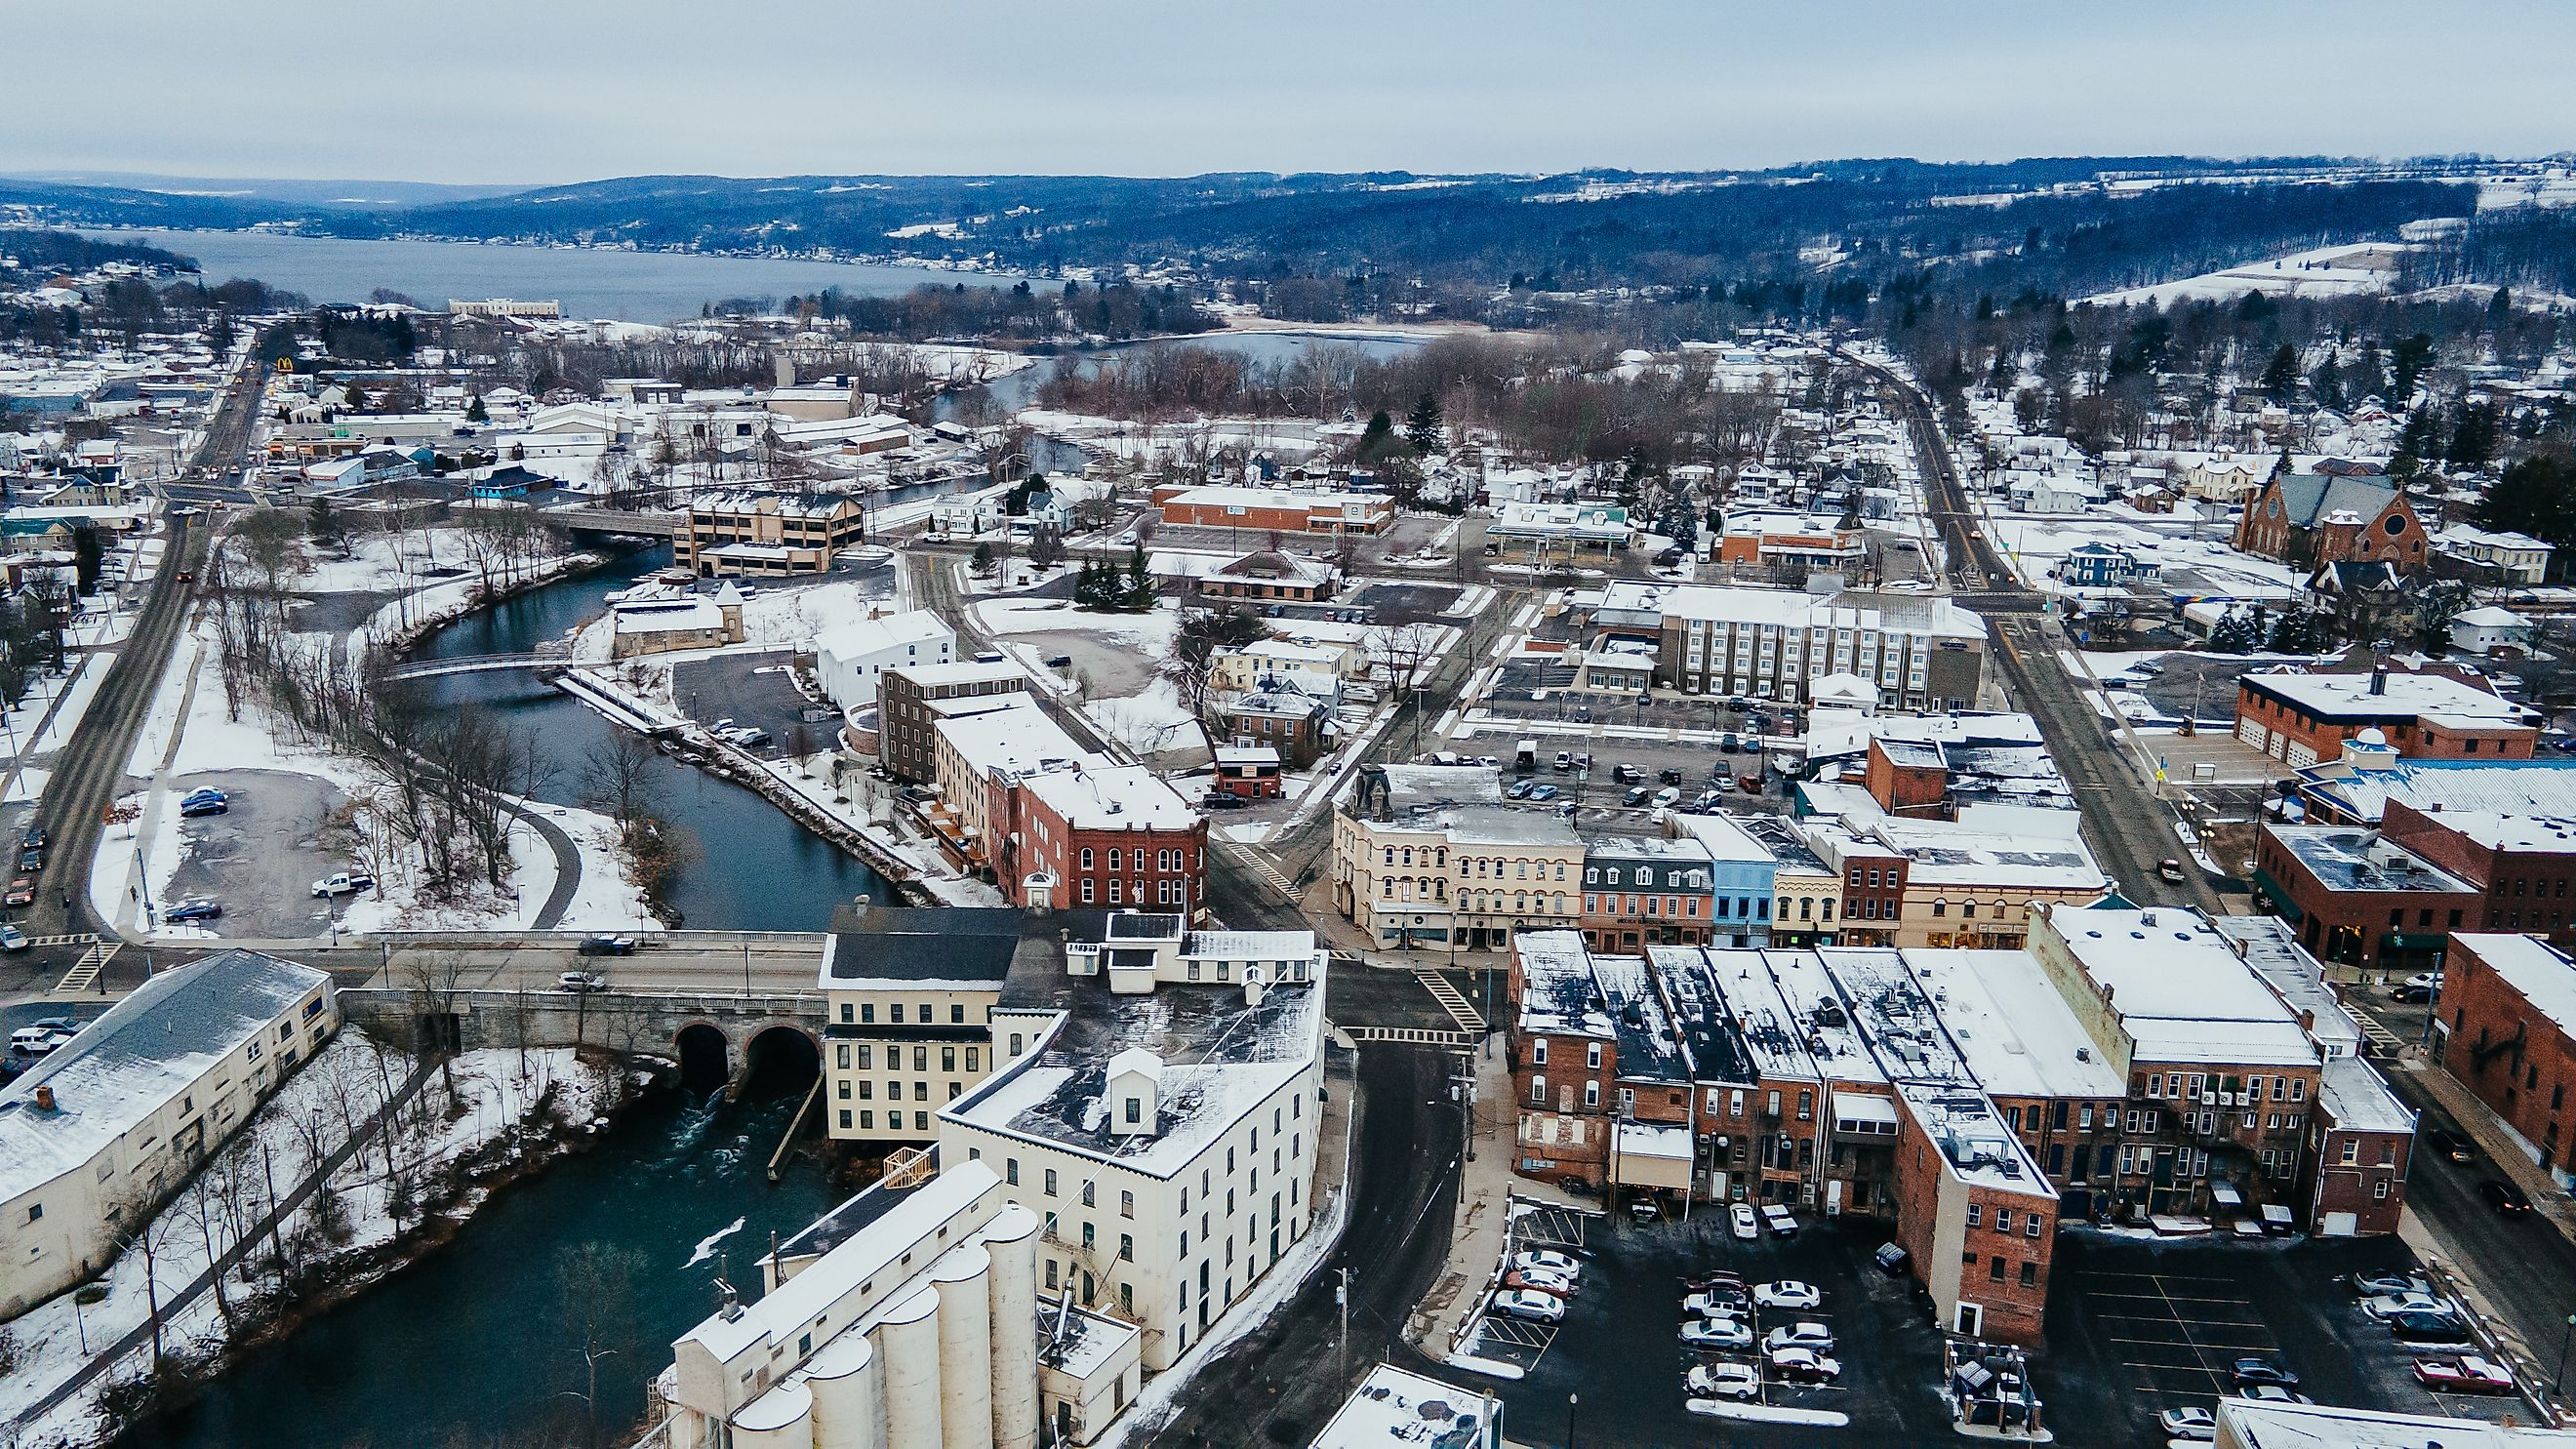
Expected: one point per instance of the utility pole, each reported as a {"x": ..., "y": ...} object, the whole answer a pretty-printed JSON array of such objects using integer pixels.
[
  {"x": 1463, "y": 1087},
  {"x": 1342, "y": 1298}
]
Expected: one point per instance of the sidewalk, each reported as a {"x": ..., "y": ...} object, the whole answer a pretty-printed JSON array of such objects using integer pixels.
[{"x": 1484, "y": 1190}]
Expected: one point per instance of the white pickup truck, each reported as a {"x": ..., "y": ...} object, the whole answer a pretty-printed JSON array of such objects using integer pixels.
[{"x": 346, "y": 883}]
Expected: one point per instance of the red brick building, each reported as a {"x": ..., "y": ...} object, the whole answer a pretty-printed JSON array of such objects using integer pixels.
[
  {"x": 2333, "y": 517},
  {"x": 1564, "y": 1061},
  {"x": 2522, "y": 864},
  {"x": 2502, "y": 1029},
  {"x": 1275, "y": 510},
  {"x": 2357, "y": 1164},
  {"x": 1908, "y": 777},
  {"x": 1105, "y": 835},
  {"x": 2300, "y": 717},
  {"x": 1985, "y": 1245},
  {"x": 1873, "y": 893},
  {"x": 2361, "y": 899}
]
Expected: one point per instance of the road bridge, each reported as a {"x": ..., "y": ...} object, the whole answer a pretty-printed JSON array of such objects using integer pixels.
[
  {"x": 615, "y": 520},
  {"x": 708, "y": 1032}
]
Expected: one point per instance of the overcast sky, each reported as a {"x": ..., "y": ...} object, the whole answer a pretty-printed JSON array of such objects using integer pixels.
[{"x": 566, "y": 90}]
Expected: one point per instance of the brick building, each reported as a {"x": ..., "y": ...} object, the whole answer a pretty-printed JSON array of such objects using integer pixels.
[
  {"x": 2521, "y": 864},
  {"x": 764, "y": 534},
  {"x": 912, "y": 699},
  {"x": 2333, "y": 517},
  {"x": 2300, "y": 717},
  {"x": 2358, "y": 1162},
  {"x": 1646, "y": 891},
  {"x": 2503, "y": 1028},
  {"x": 2359, "y": 899},
  {"x": 1091, "y": 834},
  {"x": 1275, "y": 510}
]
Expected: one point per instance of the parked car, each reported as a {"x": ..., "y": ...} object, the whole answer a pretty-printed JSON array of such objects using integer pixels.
[
  {"x": 1668, "y": 775},
  {"x": 1723, "y": 1381},
  {"x": 1741, "y": 1222},
  {"x": 1224, "y": 800},
  {"x": 581, "y": 981},
  {"x": 1779, "y": 1220},
  {"x": 1667, "y": 795},
  {"x": 2272, "y": 1394},
  {"x": 1718, "y": 1333},
  {"x": 606, "y": 945},
  {"x": 1803, "y": 1366},
  {"x": 2426, "y": 1328},
  {"x": 1718, "y": 1303},
  {"x": 1729, "y": 744},
  {"x": 1542, "y": 791},
  {"x": 2373, "y": 1285},
  {"x": 12, "y": 940},
  {"x": 1546, "y": 1260},
  {"x": 1539, "y": 1280},
  {"x": 1521, "y": 789},
  {"x": 1635, "y": 797},
  {"x": 198, "y": 908},
  {"x": 2189, "y": 1423},
  {"x": 22, "y": 892},
  {"x": 2501, "y": 1195},
  {"x": 2422, "y": 986},
  {"x": 2385, "y": 1306},
  {"x": 36, "y": 1041},
  {"x": 1788, "y": 1293},
  {"x": 1805, "y": 1333},
  {"x": 1627, "y": 774},
  {"x": 2170, "y": 869},
  {"x": 2252, "y": 1370},
  {"x": 1529, "y": 1306},
  {"x": 196, "y": 805},
  {"x": 346, "y": 883},
  {"x": 2467, "y": 1374},
  {"x": 2450, "y": 1144},
  {"x": 1564, "y": 761},
  {"x": 1891, "y": 1259},
  {"x": 1644, "y": 1209}
]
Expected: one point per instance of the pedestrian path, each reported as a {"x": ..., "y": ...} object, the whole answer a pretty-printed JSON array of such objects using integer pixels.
[
  {"x": 1451, "y": 1002},
  {"x": 84, "y": 972}
]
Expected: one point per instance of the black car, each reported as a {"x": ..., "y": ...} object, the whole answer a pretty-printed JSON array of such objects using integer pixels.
[
  {"x": 1636, "y": 796},
  {"x": 607, "y": 946},
  {"x": 2426, "y": 1328},
  {"x": 36, "y": 838},
  {"x": 2503, "y": 1196},
  {"x": 32, "y": 858},
  {"x": 1224, "y": 800},
  {"x": 1668, "y": 775},
  {"x": 2450, "y": 1144},
  {"x": 2263, "y": 1371}
]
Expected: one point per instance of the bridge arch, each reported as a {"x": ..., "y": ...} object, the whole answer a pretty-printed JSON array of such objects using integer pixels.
[
  {"x": 782, "y": 1057},
  {"x": 706, "y": 1056}
]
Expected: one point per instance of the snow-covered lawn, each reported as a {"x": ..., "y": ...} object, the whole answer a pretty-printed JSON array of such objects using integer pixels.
[
  {"x": 333, "y": 1238},
  {"x": 1150, "y": 633}
]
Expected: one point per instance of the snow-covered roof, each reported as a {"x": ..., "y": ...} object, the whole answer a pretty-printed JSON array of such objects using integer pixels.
[
  {"x": 2180, "y": 993},
  {"x": 864, "y": 638},
  {"x": 2359, "y": 1099},
  {"x": 2543, "y": 974},
  {"x": 2491, "y": 617},
  {"x": 1395, "y": 1408},
  {"x": 2398, "y": 696},
  {"x": 154, "y": 1045},
  {"x": 1019, "y": 738},
  {"x": 1111, "y": 797},
  {"x": 2017, "y": 1035}
]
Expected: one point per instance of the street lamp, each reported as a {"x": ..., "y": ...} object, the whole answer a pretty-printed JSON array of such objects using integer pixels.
[
  {"x": 2558, "y": 1386},
  {"x": 1570, "y": 1401}
]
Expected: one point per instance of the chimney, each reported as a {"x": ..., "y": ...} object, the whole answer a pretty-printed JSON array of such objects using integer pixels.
[
  {"x": 2379, "y": 679},
  {"x": 44, "y": 1097}
]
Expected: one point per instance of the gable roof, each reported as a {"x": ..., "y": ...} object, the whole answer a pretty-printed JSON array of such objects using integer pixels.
[{"x": 2307, "y": 497}]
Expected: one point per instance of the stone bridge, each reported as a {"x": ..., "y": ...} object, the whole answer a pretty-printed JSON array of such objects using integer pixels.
[{"x": 714, "y": 1036}]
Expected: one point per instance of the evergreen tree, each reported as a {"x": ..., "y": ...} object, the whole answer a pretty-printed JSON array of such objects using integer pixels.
[
  {"x": 1140, "y": 585},
  {"x": 1378, "y": 438},
  {"x": 2473, "y": 436},
  {"x": 2537, "y": 496},
  {"x": 2281, "y": 379},
  {"x": 2232, "y": 634},
  {"x": 2326, "y": 383},
  {"x": 1423, "y": 427},
  {"x": 2407, "y": 362},
  {"x": 2500, "y": 308},
  {"x": 2416, "y": 444},
  {"x": 475, "y": 412}
]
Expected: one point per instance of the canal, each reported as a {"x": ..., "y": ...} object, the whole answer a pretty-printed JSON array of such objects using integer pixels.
[
  {"x": 472, "y": 1345},
  {"x": 754, "y": 869}
]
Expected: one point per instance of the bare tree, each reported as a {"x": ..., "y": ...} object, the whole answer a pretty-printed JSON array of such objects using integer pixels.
[{"x": 594, "y": 1288}]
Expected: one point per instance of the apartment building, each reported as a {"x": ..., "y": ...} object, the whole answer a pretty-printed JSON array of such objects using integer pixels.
[
  {"x": 913, "y": 698},
  {"x": 1427, "y": 855},
  {"x": 976, "y": 758},
  {"x": 850, "y": 661},
  {"x": 1096, "y": 834},
  {"x": 109, "y": 1125},
  {"x": 908, "y": 1002},
  {"x": 1920, "y": 652}
]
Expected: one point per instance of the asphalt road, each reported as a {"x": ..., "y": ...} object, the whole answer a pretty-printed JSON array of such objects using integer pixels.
[
  {"x": 2131, "y": 831},
  {"x": 1282, "y": 1381}
]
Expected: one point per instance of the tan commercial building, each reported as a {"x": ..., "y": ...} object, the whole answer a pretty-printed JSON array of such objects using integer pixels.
[
  {"x": 1428, "y": 855},
  {"x": 767, "y": 535}
]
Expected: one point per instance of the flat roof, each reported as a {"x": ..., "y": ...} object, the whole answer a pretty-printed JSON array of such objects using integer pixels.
[
  {"x": 2359, "y": 1099},
  {"x": 2350, "y": 697},
  {"x": 2324, "y": 1426},
  {"x": 2544, "y": 975},
  {"x": 1558, "y": 995},
  {"x": 2272, "y": 948},
  {"x": 1111, "y": 797},
  {"x": 2538, "y": 787},
  {"x": 1393, "y": 1407},
  {"x": 2180, "y": 992},
  {"x": 2350, "y": 858},
  {"x": 2018, "y": 1035}
]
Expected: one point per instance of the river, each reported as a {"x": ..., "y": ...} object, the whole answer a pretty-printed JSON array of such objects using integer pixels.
[
  {"x": 469, "y": 1346},
  {"x": 590, "y": 282},
  {"x": 756, "y": 869}
]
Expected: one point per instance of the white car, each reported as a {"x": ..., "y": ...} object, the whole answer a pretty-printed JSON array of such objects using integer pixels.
[
  {"x": 1806, "y": 1334},
  {"x": 2389, "y": 1305},
  {"x": 1718, "y": 1333},
  {"x": 1803, "y": 1366},
  {"x": 1546, "y": 1260},
  {"x": 1787, "y": 1293},
  {"x": 1723, "y": 1381},
  {"x": 581, "y": 982},
  {"x": 2194, "y": 1424},
  {"x": 1530, "y": 1304},
  {"x": 1741, "y": 1222}
]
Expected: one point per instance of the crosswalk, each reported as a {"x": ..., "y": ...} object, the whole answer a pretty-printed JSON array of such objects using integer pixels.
[
  {"x": 84, "y": 972},
  {"x": 1416, "y": 1035},
  {"x": 2388, "y": 1043},
  {"x": 1458, "y": 1007}
]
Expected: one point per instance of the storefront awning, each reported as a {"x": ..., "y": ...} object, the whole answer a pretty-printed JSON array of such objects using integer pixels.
[{"x": 1647, "y": 1155}]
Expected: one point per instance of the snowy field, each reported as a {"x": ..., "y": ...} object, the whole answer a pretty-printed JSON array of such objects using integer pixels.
[
  {"x": 2336, "y": 271},
  {"x": 335, "y": 1237}
]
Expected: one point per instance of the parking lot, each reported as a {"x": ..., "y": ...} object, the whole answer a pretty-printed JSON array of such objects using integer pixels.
[
  {"x": 1619, "y": 1347},
  {"x": 2137, "y": 1326},
  {"x": 754, "y": 691}
]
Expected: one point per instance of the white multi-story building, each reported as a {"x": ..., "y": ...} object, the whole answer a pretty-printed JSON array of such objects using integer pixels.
[
  {"x": 108, "y": 1125},
  {"x": 849, "y": 660},
  {"x": 1921, "y": 652},
  {"x": 1158, "y": 1108}
]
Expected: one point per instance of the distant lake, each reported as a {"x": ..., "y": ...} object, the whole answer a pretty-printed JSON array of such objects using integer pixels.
[{"x": 590, "y": 282}]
